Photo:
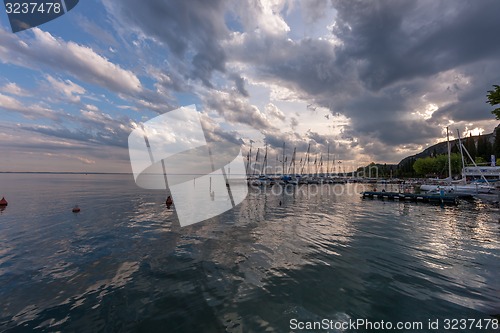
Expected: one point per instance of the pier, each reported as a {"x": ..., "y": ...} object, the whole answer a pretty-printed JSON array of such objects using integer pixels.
[{"x": 427, "y": 198}]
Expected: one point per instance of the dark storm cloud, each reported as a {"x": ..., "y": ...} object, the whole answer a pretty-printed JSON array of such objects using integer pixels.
[
  {"x": 214, "y": 132},
  {"x": 397, "y": 132},
  {"x": 386, "y": 56},
  {"x": 398, "y": 40},
  {"x": 240, "y": 84},
  {"x": 184, "y": 26},
  {"x": 471, "y": 101},
  {"x": 236, "y": 110},
  {"x": 319, "y": 143},
  {"x": 308, "y": 65}
]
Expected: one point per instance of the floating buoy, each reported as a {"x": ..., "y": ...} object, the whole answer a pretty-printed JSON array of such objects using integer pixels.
[
  {"x": 169, "y": 201},
  {"x": 76, "y": 209},
  {"x": 3, "y": 202}
]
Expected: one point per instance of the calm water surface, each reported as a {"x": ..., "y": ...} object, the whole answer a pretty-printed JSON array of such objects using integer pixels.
[{"x": 124, "y": 264}]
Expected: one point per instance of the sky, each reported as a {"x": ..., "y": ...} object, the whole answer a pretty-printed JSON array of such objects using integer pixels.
[{"x": 366, "y": 80}]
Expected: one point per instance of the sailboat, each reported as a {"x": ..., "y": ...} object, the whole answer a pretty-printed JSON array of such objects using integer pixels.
[
  {"x": 305, "y": 176},
  {"x": 292, "y": 179},
  {"x": 264, "y": 179},
  {"x": 284, "y": 178},
  {"x": 253, "y": 180},
  {"x": 261, "y": 179},
  {"x": 461, "y": 186}
]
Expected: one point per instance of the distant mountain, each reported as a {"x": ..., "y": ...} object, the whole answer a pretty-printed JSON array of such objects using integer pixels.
[{"x": 442, "y": 148}]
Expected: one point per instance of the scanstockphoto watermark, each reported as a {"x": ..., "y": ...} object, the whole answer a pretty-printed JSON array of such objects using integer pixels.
[
  {"x": 354, "y": 325},
  {"x": 356, "y": 171},
  {"x": 171, "y": 152},
  {"x": 310, "y": 190},
  {"x": 32, "y": 13},
  {"x": 365, "y": 325}
]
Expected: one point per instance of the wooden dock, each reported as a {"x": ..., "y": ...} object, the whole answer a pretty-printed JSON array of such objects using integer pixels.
[{"x": 448, "y": 199}]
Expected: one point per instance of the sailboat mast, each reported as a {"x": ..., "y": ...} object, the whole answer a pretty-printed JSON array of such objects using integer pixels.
[
  {"x": 474, "y": 163},
  {"x": 317, "y": 165},
  {"x": 283, "y": 160},
  {"x": 293, "y": 161},
  {"x": 256, "y": 160},
  {"x": 249, "y": 158},
  {"x": 321, "y": 163},
  {"x": 461, "y": 153},
  {"x": 306, "y": 161},
  {"x": 264, "y": 164},
  {"x": 449, "y": 152},
  {"x": 328, "y": 162}
]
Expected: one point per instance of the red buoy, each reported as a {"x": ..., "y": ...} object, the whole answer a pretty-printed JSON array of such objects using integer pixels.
[
  {"x": 169, "y": 201},
  {"x": 3, "y": 202},
  {"x": 76, "y": 209}
]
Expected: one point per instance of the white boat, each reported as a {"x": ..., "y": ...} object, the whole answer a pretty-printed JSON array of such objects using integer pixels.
[
  {"x": 473, "y": 188},
  {"x": 462, "y": 186}
]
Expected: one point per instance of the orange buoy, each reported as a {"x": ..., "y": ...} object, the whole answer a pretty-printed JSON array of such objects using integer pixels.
[
  {"x": 169, "y": 201},
  {"x": 76, "y": 209},
  {"x": 3, "y": 202}
]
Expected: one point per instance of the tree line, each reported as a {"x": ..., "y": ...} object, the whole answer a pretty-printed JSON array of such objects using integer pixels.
[{"x": 480, "y": 151}]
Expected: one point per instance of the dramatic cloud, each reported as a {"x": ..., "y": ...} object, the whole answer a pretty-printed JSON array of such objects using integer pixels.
[
  {"x": 382, "y": 61},
  {"x": 40, "y": 152},
  {"x": 235, "y": 109},
  {"x": 183, "y": 26},
  {"x": 82, "y": 62},
  {"x": 371, "y": 80},
  {"x": 398, "y": 41},
  {"x": 28, "y": 111}
]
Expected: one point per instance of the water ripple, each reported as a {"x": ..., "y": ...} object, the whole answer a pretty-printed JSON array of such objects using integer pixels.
[{"x": 124, "y": 264}]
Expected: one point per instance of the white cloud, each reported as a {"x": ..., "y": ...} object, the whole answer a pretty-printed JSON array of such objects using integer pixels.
[
  {"x": 78, "y": 60},
  {"x": 9, "y": 103},
  {"x": 97, "y": 116},
  {"x": 274, "y": 112},
  {"x": 263, "y": 15},
  {"x": 13, "y": 89},
  {"x": 236, "y": 109},
  {"x": 70, "y": 90}
]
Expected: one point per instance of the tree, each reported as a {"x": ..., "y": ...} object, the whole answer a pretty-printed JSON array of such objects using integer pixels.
[
  {"x": 470, "y": 145},
  {"x": 438, "y": 165},
  {"x": 484, "y": 148},
  {"x": 480, "y": 160},
  {"x": 494, "y": 99},
  {"x": 488, "y": 150},
  {"x": 496, "y": 144}
]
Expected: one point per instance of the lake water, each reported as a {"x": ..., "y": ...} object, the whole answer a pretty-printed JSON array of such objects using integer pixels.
[{"x": 124, "y": 263}]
